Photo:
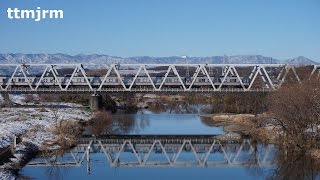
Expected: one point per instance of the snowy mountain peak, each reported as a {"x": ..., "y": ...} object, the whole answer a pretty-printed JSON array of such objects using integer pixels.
[
  {"x": 301, "y": 60},
  {"x": 100, "y": 60}
]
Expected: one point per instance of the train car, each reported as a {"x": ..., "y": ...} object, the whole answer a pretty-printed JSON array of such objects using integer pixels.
[{"x": 95, "y": 81}]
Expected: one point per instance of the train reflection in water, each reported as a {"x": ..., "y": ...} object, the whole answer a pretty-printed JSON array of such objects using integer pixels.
[{"x": 165, "y": 151}]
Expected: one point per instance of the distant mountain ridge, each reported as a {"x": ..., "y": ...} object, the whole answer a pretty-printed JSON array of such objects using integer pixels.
[
  {"x": 301, "y": 60},
  {"x": 96, "y": 59}
]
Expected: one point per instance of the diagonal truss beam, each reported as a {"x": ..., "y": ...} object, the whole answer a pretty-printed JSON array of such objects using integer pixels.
[
  {"x": 62, "y": 84},
  {"x": 315, "y": 68}
]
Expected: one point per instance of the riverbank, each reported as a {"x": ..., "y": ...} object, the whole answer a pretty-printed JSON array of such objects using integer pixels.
[
  {"x": 258, "y": 126},
  {"x": 236, "y": 123},
  {"x": 35, "y": 126}
]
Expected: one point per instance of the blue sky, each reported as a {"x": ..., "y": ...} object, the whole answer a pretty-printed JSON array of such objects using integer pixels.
[{"x": 279, "y": 28}]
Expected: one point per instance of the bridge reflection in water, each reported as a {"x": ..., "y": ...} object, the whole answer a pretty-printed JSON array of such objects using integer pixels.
[{"x": 165, "y": 151}]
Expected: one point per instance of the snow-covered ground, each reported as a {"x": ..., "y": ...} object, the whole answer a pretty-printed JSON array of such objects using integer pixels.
[
  {"x": 34, "y": 125},
  {"x": 5, "y": 175},
  {"x": 20, "y": 99},
  {"x": 17, "y": 121}
]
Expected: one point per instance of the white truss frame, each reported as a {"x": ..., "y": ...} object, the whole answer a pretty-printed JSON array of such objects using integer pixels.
[
  {"x": 47, "y": 69},
  {"x": 315, "y": 68},
  {"x": 229, "y": 69},
  {"x": 287, "y": 70}
]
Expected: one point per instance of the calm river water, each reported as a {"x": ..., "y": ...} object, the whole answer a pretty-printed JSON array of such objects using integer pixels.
[{"x": 204, "y": 159}]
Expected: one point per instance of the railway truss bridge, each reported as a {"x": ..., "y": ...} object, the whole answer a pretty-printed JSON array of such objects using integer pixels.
[{"x": 79, "y": 78}]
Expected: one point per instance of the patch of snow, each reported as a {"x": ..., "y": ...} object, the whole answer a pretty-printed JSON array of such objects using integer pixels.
[
  {"x": 16, "y": 121},
  {"x": 21, "y": 99},
  {"x": 18, "y": 99},
  {"x": 35, "y": 126},
  {"x": 5, "y": 175},
  {"x": 150, "y": 96},
  {"x": 1, "y": 99}
]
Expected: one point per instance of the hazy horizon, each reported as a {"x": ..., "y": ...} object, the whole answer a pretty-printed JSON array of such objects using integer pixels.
[{"x": 179, "y": 56}]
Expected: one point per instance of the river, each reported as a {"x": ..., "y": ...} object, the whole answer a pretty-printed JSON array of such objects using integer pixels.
[{"x": 158, "y": 146}]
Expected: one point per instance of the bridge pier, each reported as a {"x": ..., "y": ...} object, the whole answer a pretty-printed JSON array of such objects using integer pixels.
[
  {"x": 6, "y": 98},
  {"x": 95, "y": 102}
]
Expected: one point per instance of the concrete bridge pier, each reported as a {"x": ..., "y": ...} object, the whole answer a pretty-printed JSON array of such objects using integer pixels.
[
  {"x": 6, "y": 98},
  {"x": 95, "y": 102}
]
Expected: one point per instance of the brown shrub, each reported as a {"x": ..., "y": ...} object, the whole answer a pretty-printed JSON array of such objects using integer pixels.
[
  {"x": 67, "y": 133},
  {"x": 101, "y": 123},
  {"x": 29, "y": 98}
]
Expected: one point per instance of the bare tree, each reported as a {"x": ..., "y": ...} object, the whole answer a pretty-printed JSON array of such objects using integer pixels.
[
  {"x": 296, "y": 110},
  {"x": 295, "y": 165}
]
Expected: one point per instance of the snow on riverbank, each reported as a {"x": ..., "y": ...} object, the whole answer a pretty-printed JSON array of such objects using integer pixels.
[
  {"x": 34, "y": 125},
  {"x": 16, "y": 121},
  {"x": 6, "y": 175},
  {"x": 21, "y": 99}
]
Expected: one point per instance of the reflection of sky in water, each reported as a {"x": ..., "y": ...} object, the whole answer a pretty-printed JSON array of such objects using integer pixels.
[
  {"x": 168, "y": 124},
  {"x": 185, "y": 124},
  {"x": 100, "y": 169}
]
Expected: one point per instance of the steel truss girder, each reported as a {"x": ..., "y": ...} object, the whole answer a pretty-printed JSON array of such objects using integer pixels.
[
  {"x": 315, "y": 68},
  {"x": 287, "y": 70},
  {"x": 48, "y": 68},
  {"x": 230, "y": 69}
]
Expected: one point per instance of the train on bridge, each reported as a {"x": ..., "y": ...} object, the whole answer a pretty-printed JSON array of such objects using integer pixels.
[
  {"x": 150, "y": 78},
  {"x": 95, "y": 81}
]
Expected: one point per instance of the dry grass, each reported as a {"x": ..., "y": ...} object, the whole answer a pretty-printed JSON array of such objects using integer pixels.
[
  {"x": 236, "y": 118},
  {"x": 256, "y": 126},
  {"x": 67, "y": 133},
  {"x": 29, "y": 98},
  {"x": 315, "y": 153},
  {"x": 66, "y": 136}
]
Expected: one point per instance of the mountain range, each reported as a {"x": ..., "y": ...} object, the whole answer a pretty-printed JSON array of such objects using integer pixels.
[{"x": 95, "y": 59}]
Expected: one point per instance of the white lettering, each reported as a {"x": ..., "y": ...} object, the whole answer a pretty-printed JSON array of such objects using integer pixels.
[
  {"x": 57, "y": 14},
  {"x": 16, "y": 13},
  {"x": 10, "y": 11},
  {"x": 27, "y": 14},
  {"x": 44, "y": 12},
  {"x": 37, "y": 15}
]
